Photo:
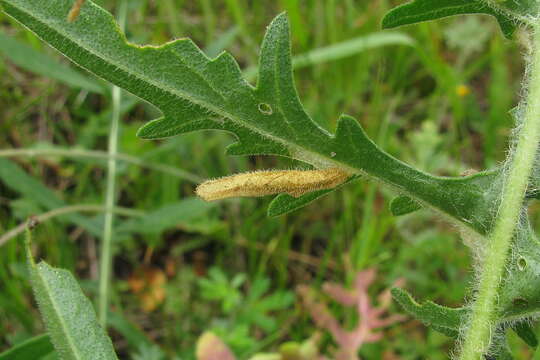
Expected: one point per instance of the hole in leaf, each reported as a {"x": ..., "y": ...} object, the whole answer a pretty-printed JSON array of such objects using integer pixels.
[
  {"x": 522, "y": 263},
  {"x": 265, "y": 108}
]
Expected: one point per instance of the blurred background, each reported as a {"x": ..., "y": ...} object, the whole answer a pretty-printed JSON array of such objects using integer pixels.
[{"x": 435, "y": 95}]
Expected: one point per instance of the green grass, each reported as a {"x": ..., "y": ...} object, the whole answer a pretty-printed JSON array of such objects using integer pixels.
[{"x": 405, "y": 97}]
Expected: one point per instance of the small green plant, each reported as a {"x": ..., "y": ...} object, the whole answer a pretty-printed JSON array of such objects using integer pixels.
[
  {"x": 242, "y": 315},
  {"x": 195, "y": 92}
]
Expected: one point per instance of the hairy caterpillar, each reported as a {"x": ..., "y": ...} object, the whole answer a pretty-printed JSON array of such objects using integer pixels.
[
  {"x": 268, "y": 182},
  {"x": 75, "y": 10}
]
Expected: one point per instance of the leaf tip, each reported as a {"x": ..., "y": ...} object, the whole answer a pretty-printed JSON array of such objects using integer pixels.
[
  {"x": 30, "y": 226},
  {"x": 403, "y": 205},
  {"x": 155, "y": 129},
  {"x": 347, "y": 124}
]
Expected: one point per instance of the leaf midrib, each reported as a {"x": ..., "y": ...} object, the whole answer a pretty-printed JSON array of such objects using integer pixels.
[{"x": 59, "y": 318}]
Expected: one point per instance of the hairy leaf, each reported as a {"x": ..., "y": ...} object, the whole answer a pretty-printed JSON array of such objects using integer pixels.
[
  {"x": 424, "y": 10},
  {"x": 31, "y": 349},
  {"x": 525, "y": 331},
  {"x": 448, "y": 321},
  {"x": 194, "y": 93},
  {"x": 403, "y": 205},
  {"x": 443, "y": 319},
  {"x": 285, "y": 203},
  {"x": 499, "y": 349},
  {"x": 68, "y": 315}
]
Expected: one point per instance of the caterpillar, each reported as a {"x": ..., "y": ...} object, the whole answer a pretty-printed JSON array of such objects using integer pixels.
[{"x": 267, "y": 182}]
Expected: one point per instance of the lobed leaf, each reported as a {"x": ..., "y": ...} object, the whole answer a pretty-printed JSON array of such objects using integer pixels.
[
  {"x": 68, "y": 315},
  {"x": 443, "y": 319},
  {"x": 424, "y": 10},
  {"x": 195, "y": 93},
  {"x": 285, "y": 203}
]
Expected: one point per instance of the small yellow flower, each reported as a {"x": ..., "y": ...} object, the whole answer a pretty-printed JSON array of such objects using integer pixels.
[{"x": 463, "y": 90}]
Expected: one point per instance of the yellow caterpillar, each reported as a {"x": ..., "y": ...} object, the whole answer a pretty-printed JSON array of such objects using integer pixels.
[{"x": 268, "y": 182}]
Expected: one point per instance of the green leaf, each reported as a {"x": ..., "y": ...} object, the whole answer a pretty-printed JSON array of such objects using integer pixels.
[
  {"x": 31, "y": 349},
  {"x": 41, "y": 64},
  {"x": 194, "y": 93},
  {"x": 499, "y": 349},
  {"x": 424, "y": 10},
  {"x": 525, "y": 331},
  {"x": 183, "y": 213},
  {"x": 17, "y": 179},
  {"x": 68, "y": 315},
  {"x": 443, "y": 319},
  {"x": 133, "y": 335},
  {"x": 403, "y": 205},
  {"x": 285, "y": 203}
]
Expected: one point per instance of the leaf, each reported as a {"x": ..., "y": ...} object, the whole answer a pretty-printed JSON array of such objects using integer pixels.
[
  {"x": 424, "y": 10},
  {"x": 403, "y": 205},
  {"x": 38, "y": 63},
  {"x": 134, "y": 336},
  {"x": 285, "y": 203},
  {"x": 194, "y": 93},
  {"x": 525, "y": 331},
  {"x": 17, "y": 179},
  {"x": 499, "y": 349},
  {"x": 68, "y": 315},
  {"x": 443, "y": 319},
  {"x": 32, "y": 349},
  {"x": 182, "y": 213}
]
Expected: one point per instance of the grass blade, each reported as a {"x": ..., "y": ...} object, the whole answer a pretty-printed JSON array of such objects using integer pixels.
[
  {"x": 342, "y": 50},
  {"x": 39, "y": 63}
]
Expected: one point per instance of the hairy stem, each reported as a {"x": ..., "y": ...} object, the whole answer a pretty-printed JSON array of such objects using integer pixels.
[
  {"x": 106, "y": 245},
  {"x": 484, "y": 311}
]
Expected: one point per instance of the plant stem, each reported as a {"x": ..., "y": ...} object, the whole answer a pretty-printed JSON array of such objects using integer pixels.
[
  {"x": 64, "y": 211},
  {"x": 97, "y": 154},
  {"x": 484, "y": 310},
  {"x": 106, "y": 245}
]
